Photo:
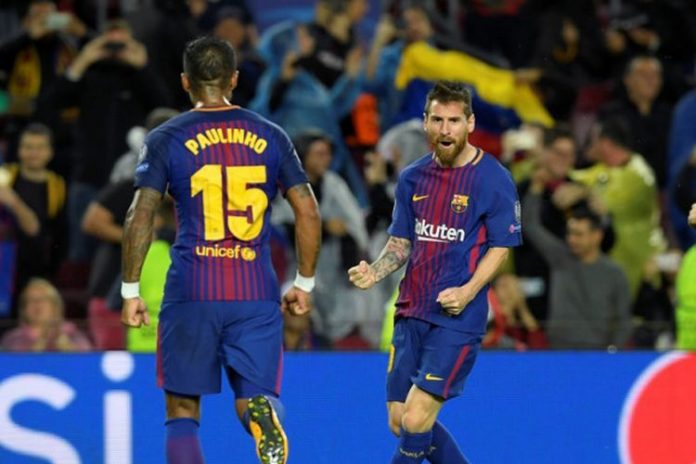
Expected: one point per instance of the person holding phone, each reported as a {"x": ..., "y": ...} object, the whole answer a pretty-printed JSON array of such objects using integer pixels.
[{"x": 112, "y": 84}]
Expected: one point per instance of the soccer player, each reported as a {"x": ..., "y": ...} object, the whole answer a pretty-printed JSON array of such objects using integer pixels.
[
  {"x": 222, "y": 165},
  {"x": 455, "y": 216}
]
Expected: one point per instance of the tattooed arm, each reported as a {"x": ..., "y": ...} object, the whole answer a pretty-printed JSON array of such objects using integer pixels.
[
  {"x": 307, "y": 244},
  {"x": 393, "y": 256},
  {"x": 137, "y": 236}
]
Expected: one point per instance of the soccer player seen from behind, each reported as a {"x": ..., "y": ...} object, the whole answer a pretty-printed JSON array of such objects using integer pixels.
[
  {"x": 455, "y": 216},
  {"x": 223, "y": 165}
]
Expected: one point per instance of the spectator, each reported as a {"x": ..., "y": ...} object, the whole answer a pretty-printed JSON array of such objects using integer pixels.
[
  {"x": 230, "y": 26},
  {"x": 124, "y": 168},
  {"x": 648, "y": 118},
  {"x": 339, "y": 307},
  {"x": 556, "y": 160},
  {"x": 589, "y": 304},
  {"x": 686, "y": 302},
  {"x": 32, "y": 61},
  {"x": 521, "y": 327},
  {"x": 291, "y": 95},
  {"x": 111, "y": 83},
  {"x": 41, "y": 326},
  {"x": 385, "y": 55},
  {"x": 682, "y": 141},
  {"x": 35, "y": 197},
  {"x": 626, "y": 185},
  {"x": 104, "y": 220}
]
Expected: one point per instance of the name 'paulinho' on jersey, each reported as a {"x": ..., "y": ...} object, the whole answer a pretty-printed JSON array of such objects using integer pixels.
[
  {"x": 452, "y": 216},
  {"x": 223, "y": 167}
]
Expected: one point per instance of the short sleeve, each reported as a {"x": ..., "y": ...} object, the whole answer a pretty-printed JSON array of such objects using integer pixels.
[
  {"x": 290, "y": 172},
  {"x": 403, "y": 219},
  {"x": 504, "y": 216},
  {"x": 152, "y": 170}
]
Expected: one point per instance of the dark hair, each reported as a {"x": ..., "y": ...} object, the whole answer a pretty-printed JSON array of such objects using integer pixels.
[
  {"x": 36, "y": 128},
  {"x": 305, "y": 140},
  {"x": 616, "y": 130},
  {"x": 585, "y": 213},
  {"x": 560, "y": 131},
  {"x": 209, "y": 61},
  {"x": 447, "y": 92}
]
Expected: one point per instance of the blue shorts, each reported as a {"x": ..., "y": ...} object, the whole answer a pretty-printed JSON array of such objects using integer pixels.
[
  {"x": 196, "y": 339},
  {"x": 436, "y": 359}
]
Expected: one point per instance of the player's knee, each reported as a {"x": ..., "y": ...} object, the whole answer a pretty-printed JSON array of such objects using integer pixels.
[
  {"x": 415, "y": 421},
  {"x": 395, "y": 425}
]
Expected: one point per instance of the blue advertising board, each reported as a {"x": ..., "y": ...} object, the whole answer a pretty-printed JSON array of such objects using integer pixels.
[{"x": 517, "y": 407}]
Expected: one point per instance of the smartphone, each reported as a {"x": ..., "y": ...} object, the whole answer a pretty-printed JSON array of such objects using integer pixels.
[
  {"x": 57, "y": 21},
  {"x": 114, "y": 47}
]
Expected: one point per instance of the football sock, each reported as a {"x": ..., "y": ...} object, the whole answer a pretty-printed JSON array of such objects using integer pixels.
[
  {"x": 182, "y": 445},
  {"x": 444, "y": 449},
  {"x": 413, "y": 447}
]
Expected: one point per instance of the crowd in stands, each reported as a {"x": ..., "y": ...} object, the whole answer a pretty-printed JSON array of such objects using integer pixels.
[{"x": 589, "y": 103}]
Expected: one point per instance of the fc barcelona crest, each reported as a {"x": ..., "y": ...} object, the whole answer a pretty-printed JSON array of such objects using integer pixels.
[{"x": 459, "y": 203}]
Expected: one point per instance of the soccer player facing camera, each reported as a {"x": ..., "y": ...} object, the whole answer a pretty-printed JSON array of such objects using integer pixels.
[
  {"x": 223, "y": 166},
  {"x": 455, "y": 217}
]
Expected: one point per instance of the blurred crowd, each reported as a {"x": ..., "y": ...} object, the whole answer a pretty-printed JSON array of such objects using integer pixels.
[{"x": 590, "y": 103}]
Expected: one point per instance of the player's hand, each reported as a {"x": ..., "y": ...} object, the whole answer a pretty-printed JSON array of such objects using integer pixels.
[
  {"x": 297, "y": 302},
  {"x": 362, "y": 276},
  {"x": 134, "y": 313},
  {"x": 454, "y": 299},
  {"x": 692, "y": 216}
]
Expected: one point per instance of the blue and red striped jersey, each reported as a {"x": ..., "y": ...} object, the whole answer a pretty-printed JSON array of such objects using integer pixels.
[
  {"x": 223, "y": 167},
  {"x": 452, "y": 216}
]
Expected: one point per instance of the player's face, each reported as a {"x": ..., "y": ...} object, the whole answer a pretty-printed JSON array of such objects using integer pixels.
[
  {"x": 448, "y": 128},
  {"x": 581, "y": 237},
  {"x": 34, "y": 151}
]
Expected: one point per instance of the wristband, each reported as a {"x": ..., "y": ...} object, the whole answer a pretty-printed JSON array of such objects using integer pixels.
[
  {"x": 306, "y": 284},
  {"x": 130, "y": 290}
]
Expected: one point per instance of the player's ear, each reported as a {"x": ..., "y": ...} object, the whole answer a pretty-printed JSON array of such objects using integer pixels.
[
  {"x": 471, "y": 123},
  {"x": 233, "y": 80},
  {"x": 185, "y": 83}
]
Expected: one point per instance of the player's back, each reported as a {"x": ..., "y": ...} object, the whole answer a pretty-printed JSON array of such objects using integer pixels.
[{"x": 223, "y": 167}]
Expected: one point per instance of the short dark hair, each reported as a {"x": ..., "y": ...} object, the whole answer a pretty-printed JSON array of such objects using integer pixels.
[
  {"x": 617, "y": 130},
  {"x": 559, "y": 131},
  {"x": 585, "y": 213},
  {"x": 305, "y": 140},
  {"x": 36, "y": 128},
  {"x": 447, "y": 92},
  {"x": 209, "y": 61}
]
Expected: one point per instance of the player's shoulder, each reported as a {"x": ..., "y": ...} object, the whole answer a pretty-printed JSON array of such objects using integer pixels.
[
  {"x": 256, "y": 118},
  {"x": 417, "y": 166},
  {"x": 493, "y": 168}
]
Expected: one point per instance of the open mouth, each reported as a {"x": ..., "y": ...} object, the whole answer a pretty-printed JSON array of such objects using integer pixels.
[{"x": 446, "y": 143}]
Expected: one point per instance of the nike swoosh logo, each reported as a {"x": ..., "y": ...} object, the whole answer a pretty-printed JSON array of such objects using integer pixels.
[
  {"x": 433, "y": 377},
  {"x": 419, "y": 197}
]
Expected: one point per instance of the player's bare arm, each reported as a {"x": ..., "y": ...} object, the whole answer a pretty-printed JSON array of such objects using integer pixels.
[
  {"x": 393, "y": 256},
  {"x": 692, "y": 216},
  {"x": 137, "y": 236},
  {"x": 307, "y": 243},
  {"x": 455, "y": 299}
]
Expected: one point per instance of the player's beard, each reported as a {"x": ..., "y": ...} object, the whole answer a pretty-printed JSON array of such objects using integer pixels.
[{"x": 448, "y": 155}]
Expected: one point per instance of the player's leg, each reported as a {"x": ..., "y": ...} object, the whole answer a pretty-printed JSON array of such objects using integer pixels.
[
  {"x": 186, "y": 374},
  {"x": 447, "y": 359},
  {"x": 183, "y": 418},
  {"x": 253, "y": 350},
  {"x": 404, "y": 359}
]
